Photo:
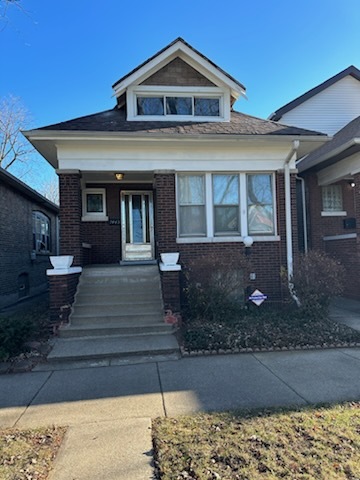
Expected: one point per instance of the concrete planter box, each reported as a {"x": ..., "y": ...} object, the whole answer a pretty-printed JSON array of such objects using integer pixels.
[{"x": 61, "y": 262}]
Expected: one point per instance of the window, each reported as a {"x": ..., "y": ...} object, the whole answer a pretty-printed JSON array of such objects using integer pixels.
[
  {"x": 260, "y": 204},
  {"x": 187, "y": 106},
  {"x": 41, "y": 233},
  {"x": 332, "y": 198},
  {"x": 94, "y": 204},
  {"x": 225, "y": 205},
  {"x": 192, "y": 205}
]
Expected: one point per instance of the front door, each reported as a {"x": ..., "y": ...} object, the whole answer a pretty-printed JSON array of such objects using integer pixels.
[{"x": 137, "y": 225}]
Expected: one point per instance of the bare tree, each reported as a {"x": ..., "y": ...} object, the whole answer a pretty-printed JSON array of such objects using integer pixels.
[
  {"x": 50, "y": 189},
  {"x": 13, "y": 118}
]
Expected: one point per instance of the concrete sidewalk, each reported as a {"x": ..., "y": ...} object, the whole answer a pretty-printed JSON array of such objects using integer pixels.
[{"x": 109, "y": 409}]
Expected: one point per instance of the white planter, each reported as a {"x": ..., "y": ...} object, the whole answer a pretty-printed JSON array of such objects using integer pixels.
[
  {"x": 62, "y": 261},
  {"x": 169, "y": 258}
]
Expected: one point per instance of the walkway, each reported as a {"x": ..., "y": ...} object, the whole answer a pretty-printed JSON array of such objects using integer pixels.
[{"x": 109, "y": 409}]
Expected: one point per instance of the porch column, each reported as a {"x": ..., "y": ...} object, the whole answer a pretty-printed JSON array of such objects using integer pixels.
[
  {"x": 357, "y": 217},
  {"x": 165, "y": 229},
  {"x": 70, "y": 215}
]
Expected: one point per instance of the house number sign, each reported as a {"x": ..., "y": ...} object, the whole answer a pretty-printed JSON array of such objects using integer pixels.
[{"x": 114, "y": 221}]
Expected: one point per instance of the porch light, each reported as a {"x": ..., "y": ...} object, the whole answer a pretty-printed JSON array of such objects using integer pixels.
[
  {"x": 352, "y": 184},
  {"x": 119, "y": 176},
  {"x": 248, "y": 241}
]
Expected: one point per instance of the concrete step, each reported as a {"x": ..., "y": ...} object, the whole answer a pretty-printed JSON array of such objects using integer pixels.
[
  {"x": 123, "y": 271},
  {"x": 93, "y": 348},
  {"x": 115, "y": 319},
  {"x": 71, "y": 331},
  {"x": 120, "y": 280},
  {"x": 118, "y": 306},
  {"x": 115, "y": 294}
]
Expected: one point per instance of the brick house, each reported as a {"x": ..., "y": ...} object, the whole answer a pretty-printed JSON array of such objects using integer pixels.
[
  {"x": 331, "y": 173},
  {"x": 28, "y": 235},
  {"x": 174, "y": 168}
]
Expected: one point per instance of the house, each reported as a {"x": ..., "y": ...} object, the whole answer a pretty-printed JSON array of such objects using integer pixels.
[
  {"x": 331, "y": 173},
  {"x": 28, "y": 235},
  {"x": 173, "y": 168}
]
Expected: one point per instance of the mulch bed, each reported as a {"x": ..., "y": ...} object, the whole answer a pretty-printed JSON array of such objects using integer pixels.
[{"x": 265, "y": 331}]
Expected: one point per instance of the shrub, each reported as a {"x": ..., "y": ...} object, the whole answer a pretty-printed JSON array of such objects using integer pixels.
[
  {"x": 215, "y": 288},
  {"x": 316, "y": 280},
  {"x": 14, "y": 332}
]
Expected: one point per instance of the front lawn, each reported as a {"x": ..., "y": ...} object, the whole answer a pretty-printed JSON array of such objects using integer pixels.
[
  {"x": 312, "y": 443},
  {"x": 265, "y": 329},
  {"x": 29, "y": 454}
]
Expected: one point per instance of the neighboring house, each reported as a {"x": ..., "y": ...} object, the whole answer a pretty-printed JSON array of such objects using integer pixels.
[
  {"x": 28, "y": 235},
  {"x": 173, "y": 168},
  {"x": 332, "y": 172}
]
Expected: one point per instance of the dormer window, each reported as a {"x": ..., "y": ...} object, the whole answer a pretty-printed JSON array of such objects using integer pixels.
[
  {"x": 163, "y": 103},
  {"x": 169, "y": 105}
]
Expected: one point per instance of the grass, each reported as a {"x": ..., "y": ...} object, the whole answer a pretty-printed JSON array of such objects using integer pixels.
[
  {"x": 29, "y": 454},
  {"x": 313, "y": 443},
  {"x": 265, "y": 328}
]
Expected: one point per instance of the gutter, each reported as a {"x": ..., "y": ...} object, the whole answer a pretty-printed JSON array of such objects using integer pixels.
[{"x": 289, "y": 242}]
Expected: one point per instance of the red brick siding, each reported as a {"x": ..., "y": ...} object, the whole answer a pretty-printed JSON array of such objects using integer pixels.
[
  {"x": 70, "y": 216},
  {"x": 343, "y": 250},
  {"x": 16, "y": 244},
  {"x": 62, "y": 291},
  {"x": 266, "y": 257},
  {"x": 105, "y": 239},
  {"x": 326, "y": 226}
]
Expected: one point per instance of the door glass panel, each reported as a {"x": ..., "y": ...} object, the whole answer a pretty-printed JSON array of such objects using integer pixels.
[
  {"x": 137, "y": 219},
  {"x": 147, "y": 217},
  {"x": 127, "y": 223}
]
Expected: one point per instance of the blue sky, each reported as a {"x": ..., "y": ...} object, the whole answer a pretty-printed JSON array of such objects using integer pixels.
[{"x": 61, "y": 57}]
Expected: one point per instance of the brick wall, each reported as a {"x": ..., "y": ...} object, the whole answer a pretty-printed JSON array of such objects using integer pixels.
[
  {"x": 70, "y": 216},
  {"x": 178, "y": 73},
  {"x": 62, "y": 292},
  {"x": 266, "y": 257},
  {"x": 16, "y": 244},
  {"x": 347, "y": 251}
]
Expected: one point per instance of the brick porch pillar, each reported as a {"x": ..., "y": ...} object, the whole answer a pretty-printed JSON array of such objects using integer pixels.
[
  {"x": 165, "y": 228},
  {"x": 70, "y": 215}
]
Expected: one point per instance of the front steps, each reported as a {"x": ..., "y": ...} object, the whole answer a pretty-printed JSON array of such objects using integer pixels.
[{"x": 117, "y": 318}]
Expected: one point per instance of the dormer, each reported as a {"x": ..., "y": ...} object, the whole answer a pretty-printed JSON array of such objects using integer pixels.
[{"x": 178, "y": 84}]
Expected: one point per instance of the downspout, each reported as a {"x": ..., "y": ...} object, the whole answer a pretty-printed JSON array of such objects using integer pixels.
[
  {"x": 288, "y": 224},
  {"x": 303, "y": 201}
]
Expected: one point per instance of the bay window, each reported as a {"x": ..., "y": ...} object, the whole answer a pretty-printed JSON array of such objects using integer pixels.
[{"x": 228, "y": 205}]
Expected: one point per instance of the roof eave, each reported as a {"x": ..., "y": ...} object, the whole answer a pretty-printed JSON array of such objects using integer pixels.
[{"x": 308, "y": 164}]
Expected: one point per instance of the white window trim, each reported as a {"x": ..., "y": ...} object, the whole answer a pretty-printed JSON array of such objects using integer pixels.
[
  {"x": 333, "y": 213},
  {"x": 207, "y": 92},
  {"x": 42, "y": 217},
  {"x": 209, "y": 211},
  {"x": 94, "y": 216}
]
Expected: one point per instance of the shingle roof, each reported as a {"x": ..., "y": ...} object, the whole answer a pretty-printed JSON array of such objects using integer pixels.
[
  {"x": 115, "y": 121},
  {"x": 342, "y": 145},
  {"x": 353, "y": 71}
]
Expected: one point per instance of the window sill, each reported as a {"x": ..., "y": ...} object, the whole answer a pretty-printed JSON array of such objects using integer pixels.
[
  {"x": 90, "y": 218},
  {"x": 334, "y": 214},
  {"x": 268, "y": 238}
]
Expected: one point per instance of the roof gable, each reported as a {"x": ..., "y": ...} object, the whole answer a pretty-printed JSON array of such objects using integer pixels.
[
  {"x": 182, "y": 50},
  {"x": 352, "y": 71}
]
